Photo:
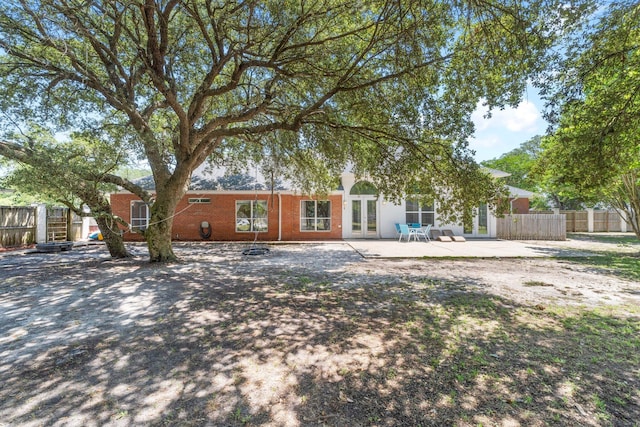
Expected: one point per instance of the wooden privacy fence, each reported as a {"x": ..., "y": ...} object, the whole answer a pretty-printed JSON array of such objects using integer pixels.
[
  {"x": 607, "y": 221},
  {"x": 24, "y": 225},
  {"x": 532, "y": 227},
  {"x": 75, "y": 229},
  {"x": 17, "y": 226},
  {"x": 578, "y": 221}
]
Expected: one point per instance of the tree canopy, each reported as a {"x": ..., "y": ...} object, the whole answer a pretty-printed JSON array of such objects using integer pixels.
[
  {"x": 595, "y": 147},
  {"x": 523, "y": 163},
  {"x": 307, "y": 87},
  {"x": 73, "y": 172},
  {"x": 519, "y": 163}
]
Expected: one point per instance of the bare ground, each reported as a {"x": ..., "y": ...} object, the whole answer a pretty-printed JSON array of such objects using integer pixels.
[{"x": 312, "y": 335}]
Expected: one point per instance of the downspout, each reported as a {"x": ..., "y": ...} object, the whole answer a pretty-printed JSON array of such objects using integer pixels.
[{"x": 279, "y": 216}]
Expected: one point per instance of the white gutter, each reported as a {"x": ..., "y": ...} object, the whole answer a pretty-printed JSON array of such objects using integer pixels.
[{"x": 279, "y": 216}]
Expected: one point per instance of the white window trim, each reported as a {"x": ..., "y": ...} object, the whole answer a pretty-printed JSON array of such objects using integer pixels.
[
  {"x": 421, "y": 210},
  {"x": 252, "y": 218},
  {"x": 315, "y": 217},
  {"x": 143, "y": 222}
]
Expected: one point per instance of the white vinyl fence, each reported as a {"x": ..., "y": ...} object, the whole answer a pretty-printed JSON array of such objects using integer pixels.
[{"x": 532, "y": 227}]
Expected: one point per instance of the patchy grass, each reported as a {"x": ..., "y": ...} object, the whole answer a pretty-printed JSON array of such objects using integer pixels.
[
  {"x": 623, "y": 263},
  {"x": 536, "y": 283},
  {"x": 391, "y": 355},
  {"x": 622, "y": 239}
]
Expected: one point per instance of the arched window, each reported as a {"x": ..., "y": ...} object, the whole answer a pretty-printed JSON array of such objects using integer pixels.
[{"x": 363, "y": 188}]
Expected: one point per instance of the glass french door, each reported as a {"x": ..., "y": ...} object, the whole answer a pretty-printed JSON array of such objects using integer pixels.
[
  {"x": 478, "y": 224},
  {"x": 364, "y": 217}
]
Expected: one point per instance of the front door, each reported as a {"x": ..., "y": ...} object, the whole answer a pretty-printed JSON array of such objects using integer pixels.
[{"x": 364, "y": 217}]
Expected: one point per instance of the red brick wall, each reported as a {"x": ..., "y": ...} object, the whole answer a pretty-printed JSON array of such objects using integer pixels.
[
  {"x": 220, "y": 214},
  {"x": 520, "y": 206},
  {"x": 291, "y": 219},
  {"x": 121, "y": 206}
]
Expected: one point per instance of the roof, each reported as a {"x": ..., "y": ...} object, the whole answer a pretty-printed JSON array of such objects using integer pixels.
[
  {"x": 519, "y": 192},
  {"x": 206, "y": 177},
  {"x": 497, "y": 173},
  {"x": 209, "y": 178}
]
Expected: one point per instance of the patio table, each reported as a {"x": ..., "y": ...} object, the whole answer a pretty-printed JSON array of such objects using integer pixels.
[{"x": 417, "y": 230}]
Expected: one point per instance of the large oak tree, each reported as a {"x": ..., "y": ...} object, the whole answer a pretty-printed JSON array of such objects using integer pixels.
[
  {"x": 312, "y": 86},
  {"x": 595, "y": 147}
]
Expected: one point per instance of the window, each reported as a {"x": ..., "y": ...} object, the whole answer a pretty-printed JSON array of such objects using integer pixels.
[
  {"x": 481, "y": 225},
  {"x": 199, "y": 200},
  {"x": 251, "y": 215},
  {"x": 420, "y": 213},
  {"x": 363, "y": 188},
  {"x": 315, "y": 215},
  {"x": 467, "y": 221},
  {"x": 139, "y": 215},
  {"x": 483, "y": 219}
]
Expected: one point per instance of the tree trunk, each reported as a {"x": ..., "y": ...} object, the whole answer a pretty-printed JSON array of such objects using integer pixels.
[
  {"x": 100, "y": 206},
  {"x": 158, "y": 234},
  {"x": 627, "y": 200},
  {"x": 158, "y": 237},
  {"x": 112, "y": 237},
  {"x": 635, "y": 224},
  {"x": 632, "y": 183}
]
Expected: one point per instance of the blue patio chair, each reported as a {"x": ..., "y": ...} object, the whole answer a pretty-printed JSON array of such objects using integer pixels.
[
  {"x": 406, "y": 231},
  {"x": 398, "y": 232}
]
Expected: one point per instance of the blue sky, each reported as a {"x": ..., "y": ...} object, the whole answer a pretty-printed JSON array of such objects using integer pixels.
[{"x": 507, "y": 128}]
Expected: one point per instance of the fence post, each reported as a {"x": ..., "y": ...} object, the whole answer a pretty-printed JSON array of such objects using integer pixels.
[
  {"x": 41, "y": 223},
  {"x": 86, "y": 224},
  {"x": 590, "y": 220},
  {"x": 69, "y": 224},
  {"x": 493, "y": 226},
  {"x": 623, "y": 221}
]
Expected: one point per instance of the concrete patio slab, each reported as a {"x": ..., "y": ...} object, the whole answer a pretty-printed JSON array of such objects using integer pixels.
[{"x": 471, "y": 248}]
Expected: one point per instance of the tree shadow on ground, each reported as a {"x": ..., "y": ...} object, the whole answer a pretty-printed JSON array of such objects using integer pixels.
[
  {"x": 299, "y": 339},
  {"x": 622, "y": 264}
]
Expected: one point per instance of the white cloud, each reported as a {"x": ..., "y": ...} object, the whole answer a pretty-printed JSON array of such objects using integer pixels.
[
  {"x": 525, "y": 117},
  {"x": 505, "y": 130}
]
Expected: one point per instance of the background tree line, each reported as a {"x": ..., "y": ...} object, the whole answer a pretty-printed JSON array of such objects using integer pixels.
[{"x": 591, "y": 154}]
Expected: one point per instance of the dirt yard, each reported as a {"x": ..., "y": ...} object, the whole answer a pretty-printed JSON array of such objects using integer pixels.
[{"x": 314, "y": 335}]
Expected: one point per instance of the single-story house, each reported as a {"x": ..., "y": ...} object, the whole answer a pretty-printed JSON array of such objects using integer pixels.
[{"x": 240, "y": 207}]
